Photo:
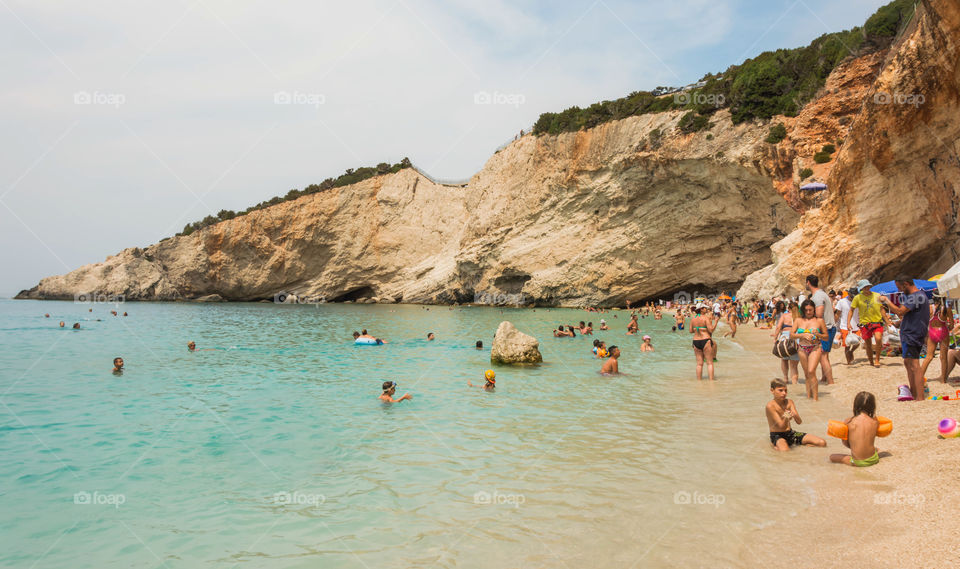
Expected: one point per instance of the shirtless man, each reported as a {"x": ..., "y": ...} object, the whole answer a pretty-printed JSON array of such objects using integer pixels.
[{"x": 610, "y": 366}]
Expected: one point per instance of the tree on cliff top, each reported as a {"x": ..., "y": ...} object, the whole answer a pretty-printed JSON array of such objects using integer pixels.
[{"x": 773, "y": 83}]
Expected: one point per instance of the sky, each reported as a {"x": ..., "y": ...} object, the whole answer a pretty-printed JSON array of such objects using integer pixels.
[{"x": 122, "y": 121}]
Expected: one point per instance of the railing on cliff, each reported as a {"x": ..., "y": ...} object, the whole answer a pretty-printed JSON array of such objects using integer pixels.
[{"x": 455, "y": 183}]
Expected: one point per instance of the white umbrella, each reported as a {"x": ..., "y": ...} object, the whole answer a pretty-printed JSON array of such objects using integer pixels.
[{"x": 949, "y": 283}]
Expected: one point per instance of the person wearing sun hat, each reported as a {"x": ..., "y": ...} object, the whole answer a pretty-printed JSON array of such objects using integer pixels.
[
  {"x": 646, "y": 346},
  {"x": 869, "y": 306}
]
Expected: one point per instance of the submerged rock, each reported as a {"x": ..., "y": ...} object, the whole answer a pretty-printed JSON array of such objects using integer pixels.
[{"x": 511, "y": 346}]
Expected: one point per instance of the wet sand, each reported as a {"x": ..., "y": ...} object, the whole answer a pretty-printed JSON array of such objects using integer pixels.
[{"x": 901, "y": 512}]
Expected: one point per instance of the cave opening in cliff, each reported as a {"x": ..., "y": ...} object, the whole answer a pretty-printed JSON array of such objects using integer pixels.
[{"x": 355, "y": 294}]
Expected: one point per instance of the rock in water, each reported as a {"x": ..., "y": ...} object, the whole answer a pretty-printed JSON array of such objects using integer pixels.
[{"x": 511, "y": 346}]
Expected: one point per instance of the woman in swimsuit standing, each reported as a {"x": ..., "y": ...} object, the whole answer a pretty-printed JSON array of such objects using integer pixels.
[
  {"x": 938, "y": 335},
  {"x": 702, "y": 326},
  {"x": 782, "y": 332},
  {"x": 809, "y": 332}
]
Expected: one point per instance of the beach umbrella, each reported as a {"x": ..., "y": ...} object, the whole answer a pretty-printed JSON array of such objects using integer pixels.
[
  {"x": 814, "y": 187},
  {"x": 890, "y": 287},
  {"x": 949, "y": 283}
]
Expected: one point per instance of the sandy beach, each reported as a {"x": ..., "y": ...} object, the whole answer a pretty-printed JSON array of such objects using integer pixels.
[{"x": 895, "y": 514}]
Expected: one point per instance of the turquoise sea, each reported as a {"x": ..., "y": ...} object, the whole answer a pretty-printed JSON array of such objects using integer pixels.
[{"x": 270, "y": 448}]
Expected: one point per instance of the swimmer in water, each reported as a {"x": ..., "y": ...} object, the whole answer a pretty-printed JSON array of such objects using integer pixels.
[
  {"x": 191, "y": 345},
  {"x": 62, "y": 324},
  {"x": 603, "y": 325},
  {"x": 117, "y": 366},
  {"x": 479, "y": 344},
  {"x": 610, "y": 366},
  {"x": 76, "y": 325},
  {"x": 430, "y": 336},
  {"x": 46, "y": 315},
  {"x": 491, "y": 383},
  {"x": 363, "y": 334},
  {"x": 389, "y": 389},
  {"x": 646, "y": 346}
]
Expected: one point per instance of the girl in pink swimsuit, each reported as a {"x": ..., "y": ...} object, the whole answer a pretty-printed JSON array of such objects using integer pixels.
[{"x": 938, "y": 335}]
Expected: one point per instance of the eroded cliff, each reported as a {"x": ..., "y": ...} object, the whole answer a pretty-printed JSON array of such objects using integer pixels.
[{"x": 894, "y": 192}]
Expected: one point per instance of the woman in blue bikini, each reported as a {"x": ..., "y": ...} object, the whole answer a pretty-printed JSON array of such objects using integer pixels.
[
  {"x": 809, "y": 331},
  {"x": 702, "y": 326}
]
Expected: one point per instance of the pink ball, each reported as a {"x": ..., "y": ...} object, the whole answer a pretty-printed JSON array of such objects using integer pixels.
[{"x": 948, "y": 428}]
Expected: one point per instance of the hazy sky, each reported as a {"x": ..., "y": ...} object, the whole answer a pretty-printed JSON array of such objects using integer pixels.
[{"x": 122, "y": 121}]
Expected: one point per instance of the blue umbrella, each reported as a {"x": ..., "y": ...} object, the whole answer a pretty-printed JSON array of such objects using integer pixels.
[
  {"x": 814, "y": 187},
  {"x": 890, "y": 287}
]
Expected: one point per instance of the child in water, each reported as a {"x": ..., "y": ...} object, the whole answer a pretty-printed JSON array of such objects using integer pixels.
[
  {"x": 491, "y": 383},
  {"x": 117, "y": 366},
  {"x": 861, "y": 433},
  {"x": 389, "y": 389},
  {"x": 646, "y": 346},
  {"x": 780, "y": 411}
]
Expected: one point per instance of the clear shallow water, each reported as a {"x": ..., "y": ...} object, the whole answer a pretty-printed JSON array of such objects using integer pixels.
[{"x": 273, "y": 451}]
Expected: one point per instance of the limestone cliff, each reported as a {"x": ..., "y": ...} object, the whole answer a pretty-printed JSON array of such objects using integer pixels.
[
  {"x": 630, "y": 209},
  {"x": 894, "y": 192},
  {"x": 593, "y": 217}
]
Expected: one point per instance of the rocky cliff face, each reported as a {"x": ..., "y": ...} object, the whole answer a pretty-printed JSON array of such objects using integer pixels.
[
  {"x": 594, "y": 217},
  {"x": 630, "y": 209},
  {"x": 894, "y": 192}
]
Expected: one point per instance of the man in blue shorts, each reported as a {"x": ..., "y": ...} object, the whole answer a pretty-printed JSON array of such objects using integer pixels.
[{"x": 914, "y": 311}]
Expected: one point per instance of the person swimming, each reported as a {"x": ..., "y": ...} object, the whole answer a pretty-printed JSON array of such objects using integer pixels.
[
  {"x": 62, "y": 324},
  {"x": 491, "y": 381},
  {"x": 389, "y": 389},
  {"x": 191, "y": 345},
  {"x": 76, "y": 325},
  {"x": 646, "y": 346},
  {"x": 430, "y": 336},
  {"x": 479, "y": 344},
  {"x": 117, "y": 366}
]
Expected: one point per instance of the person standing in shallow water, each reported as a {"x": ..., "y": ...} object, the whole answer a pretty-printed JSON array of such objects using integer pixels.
[
  {"x": 809, "y": 332},
  {"x": 702, "y": 326},
  {"x": 611, "y": 366}
]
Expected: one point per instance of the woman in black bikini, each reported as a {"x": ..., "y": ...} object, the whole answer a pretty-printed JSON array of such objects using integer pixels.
[
  {"x": 809, "y": 331},
  {"x": 702, "y": 326}
]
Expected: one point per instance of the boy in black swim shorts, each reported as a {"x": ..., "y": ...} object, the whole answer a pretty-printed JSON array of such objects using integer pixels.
[{"x": 780, "y": 411}]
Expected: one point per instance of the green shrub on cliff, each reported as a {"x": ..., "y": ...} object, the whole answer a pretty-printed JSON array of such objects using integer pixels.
[
  {"x": 777, "y": 133},
  {"x": 805, "y": 173},
  {"x": 773, "y": 83},
  {"x": 351, "y": 176},
  {"x": 821, "y": 157},
  {"x": 693, "y": 122}
]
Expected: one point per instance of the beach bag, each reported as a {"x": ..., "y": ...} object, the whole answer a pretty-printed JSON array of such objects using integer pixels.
[{"x": 785, "y": 348}]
